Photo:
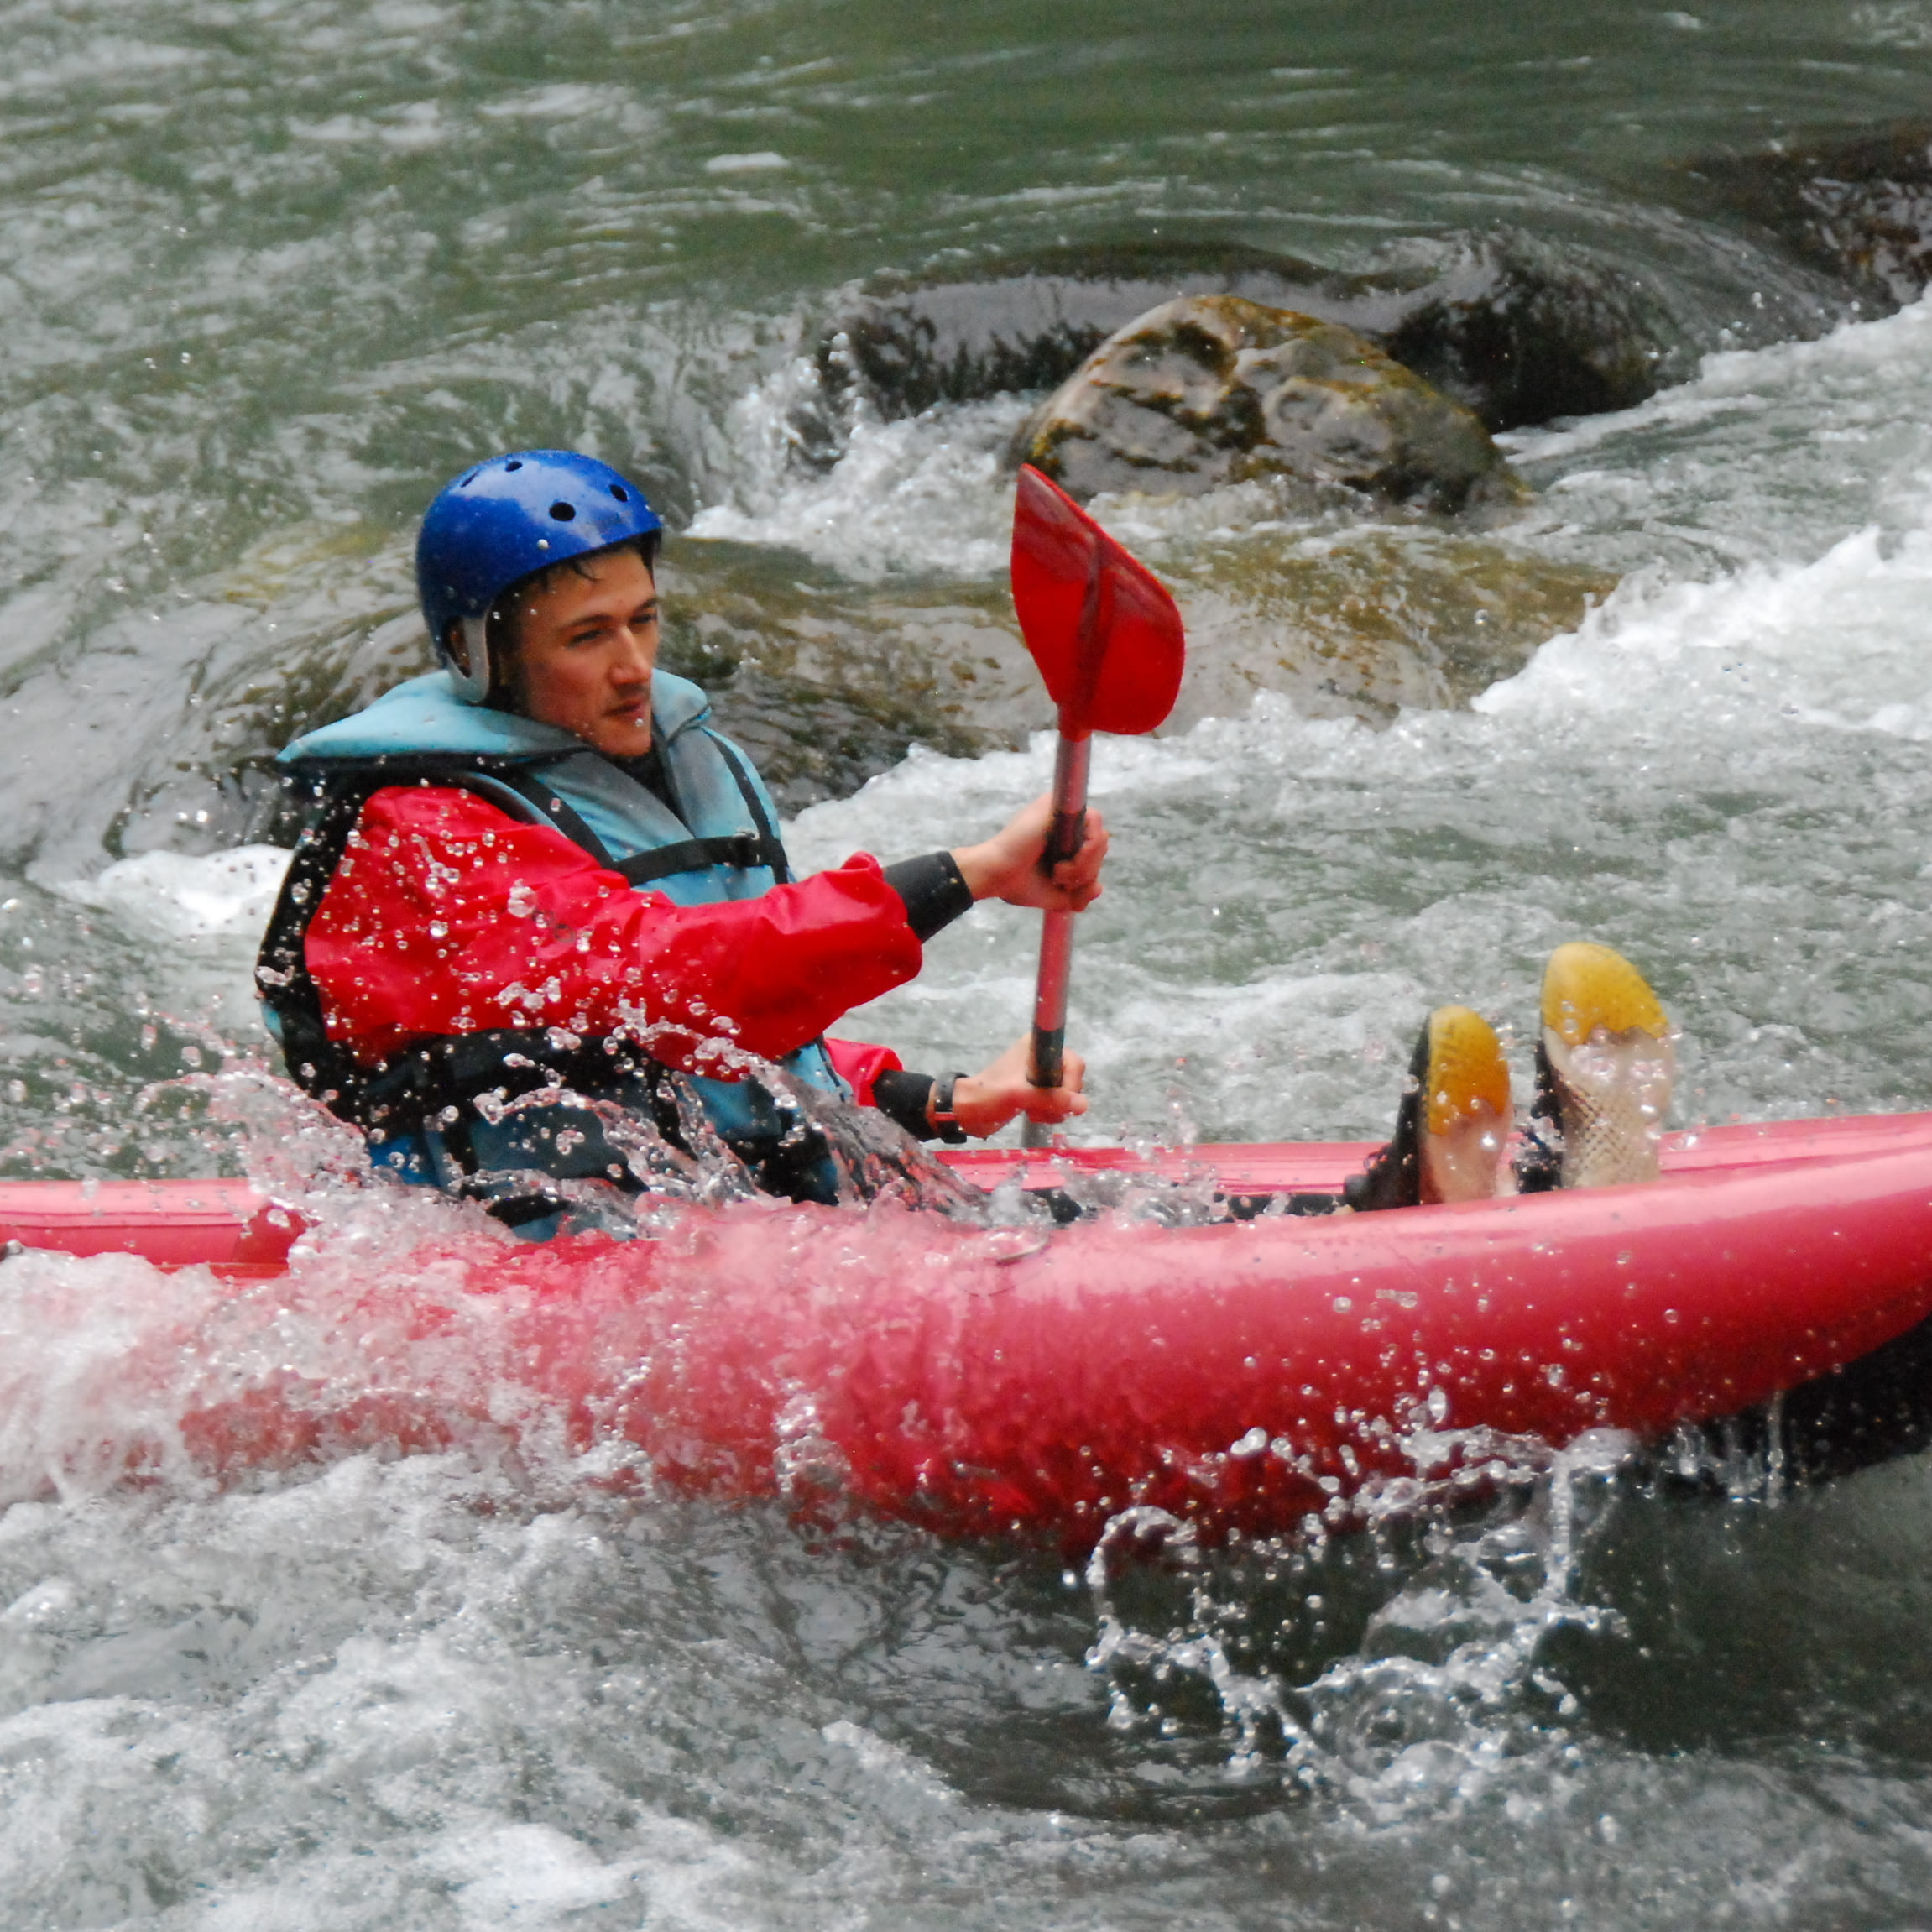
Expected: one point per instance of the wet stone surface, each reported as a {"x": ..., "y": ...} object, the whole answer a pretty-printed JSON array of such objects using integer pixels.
[
  {"x": 827, "y": 683},
  {"x": 1858, "y": 206},
  {"x": 1215, "y": 390},
  {"x": 1521, "y": 328}
]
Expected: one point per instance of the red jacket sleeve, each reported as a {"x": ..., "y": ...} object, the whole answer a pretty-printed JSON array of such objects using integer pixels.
[
  {"x": 859, "y": 1066},
  {"x": 447, "y": 916}
]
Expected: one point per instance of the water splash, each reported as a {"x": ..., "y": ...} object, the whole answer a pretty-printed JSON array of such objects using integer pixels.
[
  {"x": 1447, "y": 1688},
  {"x": 926, "y": 494}
]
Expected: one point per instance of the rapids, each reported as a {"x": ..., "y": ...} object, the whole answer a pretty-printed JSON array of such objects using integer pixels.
[{"x": 269, "y": 272}]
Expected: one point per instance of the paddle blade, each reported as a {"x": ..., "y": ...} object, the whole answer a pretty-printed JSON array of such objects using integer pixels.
[{"x": 1099, "y": 623}]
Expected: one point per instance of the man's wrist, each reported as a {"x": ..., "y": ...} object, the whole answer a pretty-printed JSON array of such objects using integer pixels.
[
  {"x": 979, "y": 866},
  {"x": 941, "y": 1108}
]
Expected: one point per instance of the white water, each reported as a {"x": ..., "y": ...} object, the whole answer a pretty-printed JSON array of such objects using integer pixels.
[
  {"x": 464, "y": 1691},
  {"x": 1717, "y": 773}
]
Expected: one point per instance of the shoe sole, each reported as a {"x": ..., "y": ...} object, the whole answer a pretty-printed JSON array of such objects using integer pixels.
[
  {"x": 1464, "y": 1113},
  {"x": 1452, "y": 1123},
  {"x": 1607, "y": 1047}
]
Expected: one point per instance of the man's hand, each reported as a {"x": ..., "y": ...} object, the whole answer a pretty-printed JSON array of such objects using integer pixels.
[
  {"x": 983, "y": 1102},
  {"x": 1007, "y": 865}
]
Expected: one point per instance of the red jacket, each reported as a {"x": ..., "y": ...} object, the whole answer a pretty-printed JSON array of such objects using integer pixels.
[{"x": 447, "y": 916}]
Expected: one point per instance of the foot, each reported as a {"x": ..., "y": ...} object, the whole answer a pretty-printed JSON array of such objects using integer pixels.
[
  {"x": 1605, "y": 1068},
  {"x": 1452, "y": 1125}
]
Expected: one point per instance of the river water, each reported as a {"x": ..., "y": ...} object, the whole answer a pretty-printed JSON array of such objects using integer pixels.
[{"x": 270, "y": 270}]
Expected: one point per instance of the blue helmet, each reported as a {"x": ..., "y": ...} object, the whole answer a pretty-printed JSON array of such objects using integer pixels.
[{"x": 504, "y": 519}]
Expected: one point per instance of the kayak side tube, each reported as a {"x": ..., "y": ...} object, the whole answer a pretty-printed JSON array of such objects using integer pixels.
[{"x": 995, "y": 1381}]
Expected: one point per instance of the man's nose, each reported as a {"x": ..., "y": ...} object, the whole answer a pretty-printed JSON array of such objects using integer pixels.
[{"x": 634, "y": 653}]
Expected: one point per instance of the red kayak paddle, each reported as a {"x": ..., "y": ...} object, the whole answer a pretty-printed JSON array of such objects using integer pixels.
[{"x": 1108, "y": 642}]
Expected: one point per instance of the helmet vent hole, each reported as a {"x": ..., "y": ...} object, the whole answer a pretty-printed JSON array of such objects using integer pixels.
[
  {"x": 564, "y": 512},
  {"x": 512, "y": 465},
  {"x": 620, "y": 493}
]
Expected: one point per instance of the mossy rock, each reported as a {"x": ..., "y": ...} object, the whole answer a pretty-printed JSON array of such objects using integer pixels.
[
  {"x": 1521, "y": 328},
  {"x": 1369, "y": 622},
  {"x": 1210, "y": 390}
]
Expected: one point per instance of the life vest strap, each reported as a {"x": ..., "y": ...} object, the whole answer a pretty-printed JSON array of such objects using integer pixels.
[
  {"x": 743, "y": 849},
  {"x": 773, "y": 847}
]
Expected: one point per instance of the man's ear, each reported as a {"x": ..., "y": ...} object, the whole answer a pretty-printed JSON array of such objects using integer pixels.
[{"x": 458, "y": 646}]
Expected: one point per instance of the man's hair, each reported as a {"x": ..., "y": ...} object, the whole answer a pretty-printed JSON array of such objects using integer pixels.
[{"x": 505, "y": 617}]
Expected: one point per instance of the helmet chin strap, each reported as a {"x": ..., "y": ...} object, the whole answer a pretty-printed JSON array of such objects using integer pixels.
[{"x": 471, "y": 686}]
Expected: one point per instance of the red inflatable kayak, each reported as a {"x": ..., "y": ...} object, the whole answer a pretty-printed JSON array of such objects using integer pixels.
[{"x": 978, "y": 1381}]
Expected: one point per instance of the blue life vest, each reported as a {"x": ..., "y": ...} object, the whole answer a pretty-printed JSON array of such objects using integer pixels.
[{"x": 721, "y": 844}]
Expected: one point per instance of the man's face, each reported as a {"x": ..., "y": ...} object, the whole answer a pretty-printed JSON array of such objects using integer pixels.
[{"x": 586, "y": 647}]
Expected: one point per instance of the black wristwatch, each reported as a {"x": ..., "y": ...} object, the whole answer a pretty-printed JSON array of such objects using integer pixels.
[{"x": 940, "y": 1112}]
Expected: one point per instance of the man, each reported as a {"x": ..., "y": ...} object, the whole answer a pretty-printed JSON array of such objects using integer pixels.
[{"x": 540, "y": 938}]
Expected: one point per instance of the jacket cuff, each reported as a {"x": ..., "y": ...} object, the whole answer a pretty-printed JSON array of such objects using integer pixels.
[
  {"x": 901, "y": 1098},
  {"x": 934, "y": 891}
]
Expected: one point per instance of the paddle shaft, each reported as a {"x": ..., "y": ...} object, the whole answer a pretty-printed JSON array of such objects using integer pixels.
[{"x": 1068, "y": 833}]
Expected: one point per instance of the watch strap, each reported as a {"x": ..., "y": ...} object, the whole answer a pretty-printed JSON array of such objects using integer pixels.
[{"x": 940, "y": 1112}]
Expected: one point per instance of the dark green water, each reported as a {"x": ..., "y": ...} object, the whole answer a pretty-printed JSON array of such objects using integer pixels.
[{"x": 269, "y": 272}]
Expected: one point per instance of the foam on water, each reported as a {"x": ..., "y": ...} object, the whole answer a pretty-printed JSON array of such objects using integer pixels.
[
  {"x": 284, "y": 288},
  {"x": 1716, "y": 772},
  {"x": 176, "y": 896},
  {"x": 196, "y": 923},
  {"x": 927, "y": 493},
  {"x": 1824, "y": 642}
]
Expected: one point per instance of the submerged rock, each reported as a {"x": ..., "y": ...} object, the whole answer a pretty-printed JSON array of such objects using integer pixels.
[
  {"x": 1210, "y": 390},
  {"x": 1522, "y": 331},
  {"x": 1366, "y": 622},
  {"x": 826, "y": 681},
  {"x": 1859, "y": 207},
  {"x": 1011, "y": 325},
  {"x": 1519, "y": 330}
]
